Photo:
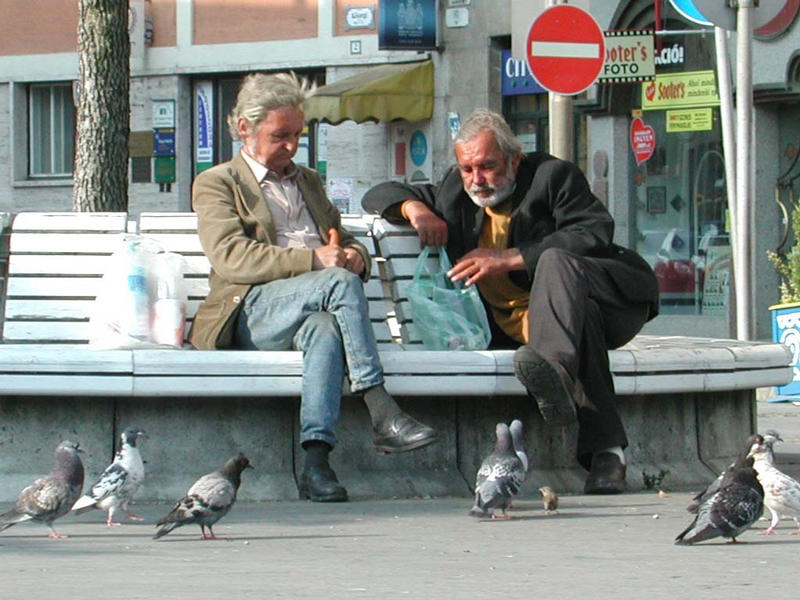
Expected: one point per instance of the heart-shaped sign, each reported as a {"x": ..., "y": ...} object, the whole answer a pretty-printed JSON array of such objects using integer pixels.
[{"x": 643, "y": 140}]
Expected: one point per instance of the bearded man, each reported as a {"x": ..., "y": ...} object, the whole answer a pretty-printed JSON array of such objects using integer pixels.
[{"x": 527, "y": 230}]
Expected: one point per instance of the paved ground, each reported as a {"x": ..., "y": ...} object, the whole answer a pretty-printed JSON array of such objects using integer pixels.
[{"x": 595, "y": 547}]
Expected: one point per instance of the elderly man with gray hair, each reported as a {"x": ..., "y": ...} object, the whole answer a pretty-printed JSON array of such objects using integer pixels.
[
  {"x": 286, "y": 275},
  {"x": 527, "y": 230}
]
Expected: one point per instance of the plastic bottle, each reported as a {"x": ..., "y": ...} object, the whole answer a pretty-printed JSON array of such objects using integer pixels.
[{"x": 136, "y": 315}]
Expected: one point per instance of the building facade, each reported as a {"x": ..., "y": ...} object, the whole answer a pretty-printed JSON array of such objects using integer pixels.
[{"x": 668, "y": 194}]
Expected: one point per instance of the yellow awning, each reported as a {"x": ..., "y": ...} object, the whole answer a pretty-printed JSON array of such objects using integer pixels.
[{"x": 384, "y": 93}]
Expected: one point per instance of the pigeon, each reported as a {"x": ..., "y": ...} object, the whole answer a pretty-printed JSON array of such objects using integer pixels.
[
  {"x": 499, "y": 478},
  {"x": 51, "y": 496},
  {"x": 549, "y": 499},
  {"x": 119, "y": 482},
  {"x": 208, "y": 500},
  {"x": 516, "y": 437},
  {"x": 770, "y": 437},
  {"x": 781, "y": 492},
  {"x": 732, "y": 509},
  {"x": 713, "y": 487}
]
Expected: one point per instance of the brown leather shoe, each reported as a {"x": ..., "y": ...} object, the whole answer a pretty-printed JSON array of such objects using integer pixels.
[
  {"x": 607, "y": 475},
  {"x": 549, "y": 384}
]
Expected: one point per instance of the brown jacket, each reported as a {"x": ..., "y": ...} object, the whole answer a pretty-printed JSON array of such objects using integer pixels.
[{"x": 238, "y": 236}]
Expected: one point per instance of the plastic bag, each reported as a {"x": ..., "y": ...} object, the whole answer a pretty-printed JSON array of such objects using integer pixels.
[
  {"x": 448, "y": 316},
  {"x": 142, "y": 299}
]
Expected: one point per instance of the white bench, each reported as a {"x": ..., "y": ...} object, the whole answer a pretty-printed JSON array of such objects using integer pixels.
[{"x": 697, "y": 392}]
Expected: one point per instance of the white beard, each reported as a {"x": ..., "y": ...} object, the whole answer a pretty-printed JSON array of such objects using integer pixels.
[{"x": 498, "y": 193}]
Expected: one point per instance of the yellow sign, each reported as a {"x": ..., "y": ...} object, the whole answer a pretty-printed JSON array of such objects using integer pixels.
[
  {"x": 693, "y": 119},
  {"x": 680, "y": 90}
]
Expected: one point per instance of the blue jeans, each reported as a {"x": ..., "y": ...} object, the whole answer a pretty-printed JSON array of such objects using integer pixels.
[{"x": 325, "y": 315}]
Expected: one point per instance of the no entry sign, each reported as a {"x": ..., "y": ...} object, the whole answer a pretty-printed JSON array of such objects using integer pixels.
[{"x": 565, "y": 49}]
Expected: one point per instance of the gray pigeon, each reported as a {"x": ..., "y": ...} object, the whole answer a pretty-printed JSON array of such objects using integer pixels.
[
  {"x": 713, "y": 487},
  {"x": 517, "y": 438},
  {"x": 732, "y": 509},
  {"x": 499, "y": 478},
  {"x": 208, "y": 500},
  {"x": 119, "y": 482},
  {"x": 781, "y": 492},
  {"x": 51, "y": 496}
]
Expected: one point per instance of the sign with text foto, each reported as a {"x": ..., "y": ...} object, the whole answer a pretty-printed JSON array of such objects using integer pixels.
[{"x": 629, "y": 57}]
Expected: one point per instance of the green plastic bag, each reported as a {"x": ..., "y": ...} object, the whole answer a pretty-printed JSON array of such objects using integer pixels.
[{"x": 448, "y": 316}]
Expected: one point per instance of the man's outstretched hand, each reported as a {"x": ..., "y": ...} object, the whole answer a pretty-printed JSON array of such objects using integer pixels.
[{"x": 484, "y": 262}]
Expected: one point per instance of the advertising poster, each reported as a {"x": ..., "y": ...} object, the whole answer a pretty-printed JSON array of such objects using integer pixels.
[{"x": 204, "y": 126}]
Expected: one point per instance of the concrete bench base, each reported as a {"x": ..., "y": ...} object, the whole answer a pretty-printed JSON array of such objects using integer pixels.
[{"x": 691, "y": 435}]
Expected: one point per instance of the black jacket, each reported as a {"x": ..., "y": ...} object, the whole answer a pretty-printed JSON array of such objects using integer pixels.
[{"x": 552, "y": 207}]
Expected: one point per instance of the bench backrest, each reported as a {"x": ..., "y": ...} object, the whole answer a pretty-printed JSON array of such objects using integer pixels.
[
  {"x": 57, "y": 261},
  {"x": 399, "y": 247},
  {"x": 55, "y": 266}
]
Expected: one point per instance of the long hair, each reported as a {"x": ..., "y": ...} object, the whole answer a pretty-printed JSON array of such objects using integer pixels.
[{"x": 261, "y": 93}]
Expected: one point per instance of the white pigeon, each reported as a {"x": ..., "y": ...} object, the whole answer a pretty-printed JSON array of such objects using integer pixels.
[
  {"x": 781, "y": 492},
  {"x": 51, "y": 496},
  {"x": 517, "y": 438},
  {"x": 499, "y": 478},
  {"x": 208, "y": 500},
  {"x": 119, "y": 482}
]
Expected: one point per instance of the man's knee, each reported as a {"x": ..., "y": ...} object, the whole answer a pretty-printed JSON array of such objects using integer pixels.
[
  {"x": 557, "y": 264},
  {"x": 323, "y": 322}
]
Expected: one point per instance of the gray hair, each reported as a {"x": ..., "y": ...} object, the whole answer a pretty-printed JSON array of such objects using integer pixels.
[
  {"x": 261, "y": 93},
  {"x": 483, "y": 119}
]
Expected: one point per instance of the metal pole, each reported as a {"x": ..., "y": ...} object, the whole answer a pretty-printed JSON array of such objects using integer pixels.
[
  {"x": 727, "y": 115},
  {"x": 744, "y": 168},
  {"x": 559, "y": 109}
]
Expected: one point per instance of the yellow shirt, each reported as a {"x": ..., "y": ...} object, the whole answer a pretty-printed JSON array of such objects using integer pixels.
[{"x": 508, "y": 302}]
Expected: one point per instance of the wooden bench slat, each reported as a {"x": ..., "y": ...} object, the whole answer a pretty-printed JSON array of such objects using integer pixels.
[
  {"x": 53, "y": 287},
  {"x": 71, "y": 221},
  {"x": 44, "y": 310},
  {"x": 69, "y": 243},
  {"x": 58, "y": 265},
  {"x": 38, "y": 331}
]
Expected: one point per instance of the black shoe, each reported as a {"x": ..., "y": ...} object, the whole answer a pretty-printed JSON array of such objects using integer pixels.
[
  {"x": 550, "y": 385},
  {"x": 402, "y": 433},
  {"x": 319, "y": 484},
  {"x": 607, "y": 475}
]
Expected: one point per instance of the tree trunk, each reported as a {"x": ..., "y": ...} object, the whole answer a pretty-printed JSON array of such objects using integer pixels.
[{"x": 103, "y": 119}]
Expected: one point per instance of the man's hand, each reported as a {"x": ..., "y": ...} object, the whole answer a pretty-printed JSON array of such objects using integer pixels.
[
  {"x": 354, "y": 263},
  {"x": 333, "y": 255},
  {"x": 483, "y": 262},
  {"x": 431, "y": 229}
]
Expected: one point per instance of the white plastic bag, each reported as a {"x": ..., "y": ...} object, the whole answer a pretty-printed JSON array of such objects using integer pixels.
[{"x": 142, "y": 300}]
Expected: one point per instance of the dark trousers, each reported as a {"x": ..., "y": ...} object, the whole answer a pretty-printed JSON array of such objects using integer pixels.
[{"x": 577, "y": 313}]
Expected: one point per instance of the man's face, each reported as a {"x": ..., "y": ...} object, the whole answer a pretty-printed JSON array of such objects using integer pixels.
[
  {"x": 273, "y": 142},
  {"x": 487, "y": 174}
]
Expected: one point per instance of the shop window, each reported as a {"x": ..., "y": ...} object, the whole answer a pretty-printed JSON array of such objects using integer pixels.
[
  {"x": 51, "y": 132},
  {"x": 679, "y": 205}
]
